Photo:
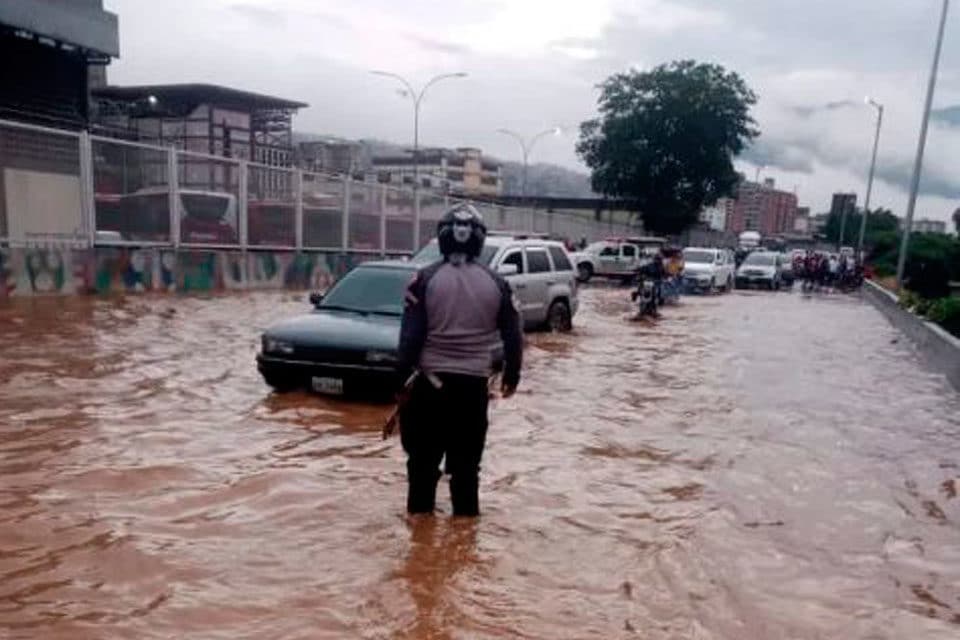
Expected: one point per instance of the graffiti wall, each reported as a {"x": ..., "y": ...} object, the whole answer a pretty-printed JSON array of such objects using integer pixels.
[{"x": 27, "y": 272}]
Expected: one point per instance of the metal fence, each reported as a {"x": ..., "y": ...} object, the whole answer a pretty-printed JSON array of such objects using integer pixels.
[{"x": 90, "y": 190}]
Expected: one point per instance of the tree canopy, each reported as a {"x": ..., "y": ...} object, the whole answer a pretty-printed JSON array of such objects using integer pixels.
[
  {"x": 879, "y": 223},
  {"x": 666, "y": 138}
]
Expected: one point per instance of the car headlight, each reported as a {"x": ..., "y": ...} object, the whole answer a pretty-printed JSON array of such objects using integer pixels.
[
  {"x": 381, "y": 357},
  {"x": 274, "y": 345}
]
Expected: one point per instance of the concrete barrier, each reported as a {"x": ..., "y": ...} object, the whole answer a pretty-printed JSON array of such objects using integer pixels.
[
  {"x": 106, "y": 270},
  {"x": 939, "y": 347}
]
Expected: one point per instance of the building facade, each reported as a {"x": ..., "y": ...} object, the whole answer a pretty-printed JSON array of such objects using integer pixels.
[
  {"x": 332, "y": 155},
  {"x": 52, "y": 51},
  {"x": 843, "y": 203},
  {"x": 463, "y": 171},
  {"x": 715, "y": 217},
  {"x": 801, "y": 223},
  {"x": 929, "y": 226},
  {"x": 764, "y": 208}
]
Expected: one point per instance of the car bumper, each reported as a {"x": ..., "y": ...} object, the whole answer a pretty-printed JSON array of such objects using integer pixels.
[
  {"x": 374, "y": 380},
  {"x": 749, "y": 281},
  {"x": 697, "y": 282}
]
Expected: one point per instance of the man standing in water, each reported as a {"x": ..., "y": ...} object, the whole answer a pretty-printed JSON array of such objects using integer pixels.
[{"x": 457, "y": 314}]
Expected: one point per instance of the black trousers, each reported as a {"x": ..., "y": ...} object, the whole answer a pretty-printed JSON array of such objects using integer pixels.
[{"x": 448, "y": 422}]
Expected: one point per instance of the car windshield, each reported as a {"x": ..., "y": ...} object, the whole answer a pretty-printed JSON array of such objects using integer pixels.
[
  {"x": 760, "y": 260},
  {"x": 370, "y": 290},
  {"x": 699, "y": 257},
  {"x": 431, "y": 253}
]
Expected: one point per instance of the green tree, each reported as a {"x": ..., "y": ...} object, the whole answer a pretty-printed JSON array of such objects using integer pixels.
[
  {"x": 956, "y": 220},
  {"x": 666, "y": 138},
  {"x": 879, "y": 222}
]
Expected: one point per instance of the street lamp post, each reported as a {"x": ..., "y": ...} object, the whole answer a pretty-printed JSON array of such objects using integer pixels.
[
  {"x": 921, "y": 146},
  {"x": 417, "y": 97},
  {"x": 526, "y": 147},
  {"x": 873, "y": 166}
]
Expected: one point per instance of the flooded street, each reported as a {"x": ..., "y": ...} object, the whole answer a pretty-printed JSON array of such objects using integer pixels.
[{"x": 753, "y": 467}]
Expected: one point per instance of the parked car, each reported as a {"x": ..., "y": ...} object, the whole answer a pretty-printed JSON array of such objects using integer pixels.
[
  {"x": 787, "y": 276},
  {"x": 616, "y": 257},
  {"x": 760, "y": 268},
  {"x": 539, "y": 270},
  {"x": 348, "y": 343},
  {"x": 708, "y": 269}
]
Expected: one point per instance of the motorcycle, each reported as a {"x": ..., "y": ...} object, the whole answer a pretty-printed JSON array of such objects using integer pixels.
[{"x": 646, "y": 297}]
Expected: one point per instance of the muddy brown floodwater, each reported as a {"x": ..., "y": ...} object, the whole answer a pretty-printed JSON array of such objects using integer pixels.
[{"x": 753, "y": 467}]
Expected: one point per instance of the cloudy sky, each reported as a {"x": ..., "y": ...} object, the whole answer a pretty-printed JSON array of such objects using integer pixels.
[{"x": 533, "y": 64}]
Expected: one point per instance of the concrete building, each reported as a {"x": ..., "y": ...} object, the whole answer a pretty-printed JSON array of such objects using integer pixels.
[
  {"x": 763, "y": 208},
  {"x": 333, "y": 155},
  {"x": 715, "y": 217},
  {"x": 801, "y": 223},
  {"x": 929, "y": 226},
  {"x": 844, "y": 202},
  {"x": 462, "y": 171},
  {"x": 49, "y": 48}
]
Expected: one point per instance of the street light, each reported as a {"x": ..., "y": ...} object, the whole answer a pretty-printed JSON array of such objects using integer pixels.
[
  {"x": 527, "y": 147},
  {"x": 417, "y": 98},
  {"x": 873, "y": 166},
  {"x": 921, "y": 146}
]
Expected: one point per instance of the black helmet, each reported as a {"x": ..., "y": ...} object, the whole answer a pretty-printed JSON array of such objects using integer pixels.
[{"x": 461, "y": 230}]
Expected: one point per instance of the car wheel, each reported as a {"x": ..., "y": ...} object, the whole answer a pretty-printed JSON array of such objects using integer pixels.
[
  {"x": 584, "y": 272},
  {"x": 280, "y": 384},
  {"x": 558, "y": 317}
]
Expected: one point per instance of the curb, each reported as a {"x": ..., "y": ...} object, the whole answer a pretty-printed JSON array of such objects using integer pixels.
[{"x": 941, "y": 349}]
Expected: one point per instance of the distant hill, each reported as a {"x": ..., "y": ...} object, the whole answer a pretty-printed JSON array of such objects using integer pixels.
[
  {"x": 548, "y": 180},
  {"x": 543, "y": 179}
]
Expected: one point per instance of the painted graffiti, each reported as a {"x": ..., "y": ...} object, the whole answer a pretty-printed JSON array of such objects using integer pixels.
[{"x": 26, "y": 272}]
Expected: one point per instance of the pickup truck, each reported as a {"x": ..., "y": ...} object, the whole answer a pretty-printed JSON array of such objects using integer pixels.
[{"x": 615, "y": 257}]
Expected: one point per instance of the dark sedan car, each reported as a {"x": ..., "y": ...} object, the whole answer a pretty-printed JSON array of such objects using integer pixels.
[{"x": 348, "y": 344}]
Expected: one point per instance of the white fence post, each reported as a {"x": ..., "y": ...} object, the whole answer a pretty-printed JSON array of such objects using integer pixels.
[
  {"x": 173, "y": 180},
  {"x": 243, "y": 190},
  {"x": 416, "y": 218},
  {"x": 383, "y": 221},
  {"x": 345, "y": 222},
  {"x": 88, "y": 203},
  {"x": 298, "y": 211}
]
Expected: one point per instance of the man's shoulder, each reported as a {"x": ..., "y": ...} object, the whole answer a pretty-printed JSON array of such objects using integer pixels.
[{"x": 498, "y": 279}]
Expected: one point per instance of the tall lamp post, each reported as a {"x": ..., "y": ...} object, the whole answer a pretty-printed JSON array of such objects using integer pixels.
[
  {"x": 417, "y": 97},
  {"x": 873, "y": 167},
  {"x": 527, "y": 147},
  {"x": 921, "y": 147}
]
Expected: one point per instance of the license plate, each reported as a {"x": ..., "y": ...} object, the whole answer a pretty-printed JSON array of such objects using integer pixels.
[{"x": 328, "y": 386}]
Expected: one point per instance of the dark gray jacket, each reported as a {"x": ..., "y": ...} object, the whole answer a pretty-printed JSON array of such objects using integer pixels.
[{"x": 455, "y": 317}]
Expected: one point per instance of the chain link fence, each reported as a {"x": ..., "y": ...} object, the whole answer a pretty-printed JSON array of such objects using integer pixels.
[
  {"x": 42, "y": 197},
  {"x": 57, "y": 185}
]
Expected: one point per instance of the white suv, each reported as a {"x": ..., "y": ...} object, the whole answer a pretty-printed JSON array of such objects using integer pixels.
[
  {"x": 708, "y": 269},
  {"x": 539, "y": 270}
]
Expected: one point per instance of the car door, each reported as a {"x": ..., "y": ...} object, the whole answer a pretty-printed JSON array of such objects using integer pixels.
[
  {"x": 609, "y": 259},
  {"x": 539, "y": 278},
  {"x": 629, "y": 259},
  {"x": 519, "y": 281}
]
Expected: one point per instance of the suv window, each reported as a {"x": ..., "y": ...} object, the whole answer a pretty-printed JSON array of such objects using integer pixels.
[
  {"x": 538, "y": 260},
  {"x": 560, "y": 260},
  {"x": 514, "y": 257},
  {"x": 629, "y": 251},
  {"x": 609, "y": 251}
]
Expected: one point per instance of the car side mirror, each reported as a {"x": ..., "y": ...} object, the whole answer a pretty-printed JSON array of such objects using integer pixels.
[
  {"x": 508, "y": 270},
  {"x": 316, "y": 298}
]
